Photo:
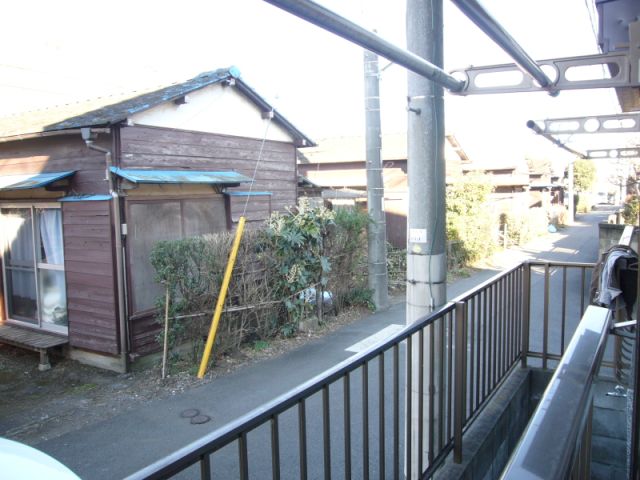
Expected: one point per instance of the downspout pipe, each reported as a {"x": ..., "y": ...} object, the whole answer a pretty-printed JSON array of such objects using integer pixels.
[
  {"x": 490, "y": 26},
  {"x": 338, "y": 25},
  {"x": 88, "y": 136}
]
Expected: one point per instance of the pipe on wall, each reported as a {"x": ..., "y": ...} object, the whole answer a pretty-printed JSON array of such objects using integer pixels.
[{"x": 88, "y": 136}]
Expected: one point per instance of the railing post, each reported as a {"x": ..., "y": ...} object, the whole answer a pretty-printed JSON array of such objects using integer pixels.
[
  {"x": 545, "y": 318},
  {"x": 634, "y": 464},
  {"x": 460, "y": 379},
  {"x": 526, "y": 302}
]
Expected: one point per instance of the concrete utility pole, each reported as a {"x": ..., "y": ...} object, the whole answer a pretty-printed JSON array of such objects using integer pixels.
[
  {"x": 426, "y": 252},
  {"x": 377, "y": 231},
  {"x": 426, "y": 243}
]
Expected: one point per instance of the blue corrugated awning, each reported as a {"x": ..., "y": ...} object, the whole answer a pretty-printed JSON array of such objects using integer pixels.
[
  {"x": 180, "y": 176},
  {"x": 85, "y": 198},
  {"x": 31, "y": 180}
]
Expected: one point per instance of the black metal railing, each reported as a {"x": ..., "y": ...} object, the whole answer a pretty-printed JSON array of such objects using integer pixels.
[
  {"x": 349, "y": 421},
  {"x": 552, "y": 288},
  {"x": 357, "y": 420},
  {"x": 490, "y": 319}
]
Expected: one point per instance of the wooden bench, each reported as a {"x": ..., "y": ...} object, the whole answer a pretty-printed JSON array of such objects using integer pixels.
[{"x": 34, "y": 340}]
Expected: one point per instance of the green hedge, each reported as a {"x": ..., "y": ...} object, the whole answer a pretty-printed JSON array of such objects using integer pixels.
[{"x": 277, "y": 265}]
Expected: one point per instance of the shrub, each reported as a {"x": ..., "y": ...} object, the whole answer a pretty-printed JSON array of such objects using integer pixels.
[
  {"x": 524, "y": 224},
  {"x": 193, "y": 270},
  {"x": 470, "y": 222},
  {"x": 558, "y": 215},
  {"x": 346, "y": 247},
  {"x": 309, "y": 247},
  {"x": 583, "y": 203},
  {"x": 396, "y": 266},
  {"x": 631, "y": 210},
  {"x": 294, "y": 248}
]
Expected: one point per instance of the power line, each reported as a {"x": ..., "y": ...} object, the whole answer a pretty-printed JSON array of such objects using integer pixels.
[{"x": 592, "y": 21}]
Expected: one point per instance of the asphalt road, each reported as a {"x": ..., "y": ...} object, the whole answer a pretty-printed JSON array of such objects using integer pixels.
[{"x": 124, "y": 444}]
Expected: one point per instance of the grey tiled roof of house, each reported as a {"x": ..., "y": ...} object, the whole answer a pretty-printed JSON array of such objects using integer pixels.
[{"x": 113, "y": 109}]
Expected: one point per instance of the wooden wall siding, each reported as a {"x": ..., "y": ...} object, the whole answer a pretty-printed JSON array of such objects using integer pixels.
[
  {"x": 152, "y": 147},
  {"x": 162, "y": 148},
  {"x": 89, "y": 266},
  {"x": 57, "y": 154},
  {"x": 144, "y": 332},
  {"x": 260, "y": 211}
]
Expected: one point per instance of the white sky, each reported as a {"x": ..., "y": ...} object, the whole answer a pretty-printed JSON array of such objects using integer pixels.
[{"x": 55, "y": 52}]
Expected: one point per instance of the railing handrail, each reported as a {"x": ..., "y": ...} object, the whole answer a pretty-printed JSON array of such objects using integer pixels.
[
  {"x": 474, "y": 291},
  {"x": 542, "y": 263},
  {"x": 547, "y": 447}
]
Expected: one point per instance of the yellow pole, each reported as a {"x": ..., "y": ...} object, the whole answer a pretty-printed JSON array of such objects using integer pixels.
[
  {"x": 223, "y": 294},
  {"x": 166, "y": 333}
]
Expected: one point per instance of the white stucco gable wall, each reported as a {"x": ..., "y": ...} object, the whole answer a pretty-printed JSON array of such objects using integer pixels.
[{"x": 213, "y": 109}]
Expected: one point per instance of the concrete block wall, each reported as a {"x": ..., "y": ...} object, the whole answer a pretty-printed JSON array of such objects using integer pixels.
[{"x": 492, "y": 437}]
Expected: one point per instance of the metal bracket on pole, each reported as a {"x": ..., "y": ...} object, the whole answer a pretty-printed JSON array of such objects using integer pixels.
[
  {"x": 620, "y": 153},
  {"x": 568, "y": 73},
  {"x": 618, "y": 123}
]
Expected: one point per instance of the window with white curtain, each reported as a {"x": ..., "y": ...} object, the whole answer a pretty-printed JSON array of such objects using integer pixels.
[{"x": 33, "y": 254}]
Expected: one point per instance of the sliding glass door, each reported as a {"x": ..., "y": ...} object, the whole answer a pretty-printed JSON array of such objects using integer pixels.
[{"x": 34, "y": 281}]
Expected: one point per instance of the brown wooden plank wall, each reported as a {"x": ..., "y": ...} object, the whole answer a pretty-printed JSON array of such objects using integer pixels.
[
  {"x": 144, "y": 331},
  {"x": 89, "y": 266},
  {"x": 259, "y": 211},
  {"x": 58, "y": 154},
  {"x": 153, "y": 147}
]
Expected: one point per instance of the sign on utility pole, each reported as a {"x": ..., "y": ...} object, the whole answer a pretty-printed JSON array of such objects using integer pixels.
[
  {"x": 426, "y": 243},
  {"x": 377, "y": 231}
]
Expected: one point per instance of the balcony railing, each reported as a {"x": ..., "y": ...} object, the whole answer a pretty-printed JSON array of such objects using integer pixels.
[{"x": 350, "y": 421}]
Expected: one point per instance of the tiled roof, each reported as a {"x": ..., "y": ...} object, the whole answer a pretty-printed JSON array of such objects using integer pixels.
[{"x": 113, "y": 109}]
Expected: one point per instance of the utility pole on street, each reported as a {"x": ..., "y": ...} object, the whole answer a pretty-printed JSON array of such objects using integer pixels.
[
  {"x": 377, "y": 230},
  {"x": 426, "y": 243}
]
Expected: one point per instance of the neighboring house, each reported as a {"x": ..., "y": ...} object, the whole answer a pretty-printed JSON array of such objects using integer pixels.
[
  {"x": 510, "y": 184},
  {"x": 337, "y": 166},
  {"x": 87, "y": 189}
]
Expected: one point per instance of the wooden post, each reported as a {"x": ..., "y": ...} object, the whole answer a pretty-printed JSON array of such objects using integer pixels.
[{"x": 166, "y": 333}]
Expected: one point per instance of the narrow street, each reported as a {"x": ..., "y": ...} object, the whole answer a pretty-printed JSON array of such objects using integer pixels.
[{"x": 144, "y": 435}]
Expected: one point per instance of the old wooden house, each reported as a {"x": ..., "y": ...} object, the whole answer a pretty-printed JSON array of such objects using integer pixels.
[{"x": 87, "y": 189}]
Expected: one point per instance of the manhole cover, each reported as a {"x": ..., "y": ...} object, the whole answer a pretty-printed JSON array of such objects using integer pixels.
[
  {"x": 190, "y": 413},
  {"x": 198, "y": 419}
]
